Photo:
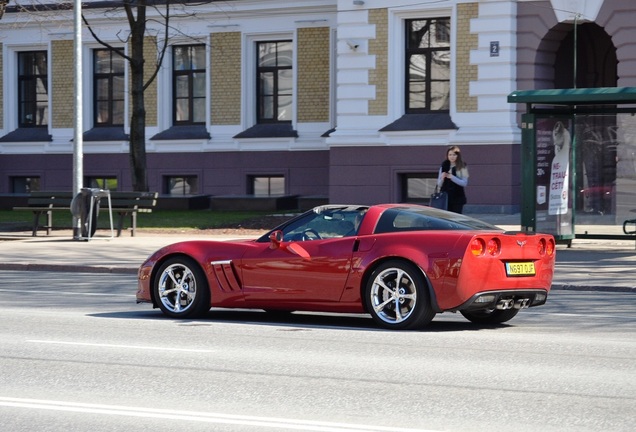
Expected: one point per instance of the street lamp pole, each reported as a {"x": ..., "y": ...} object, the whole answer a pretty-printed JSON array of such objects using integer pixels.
[
  {"x": 78, "y": 144},
  {"x": 576, "y": 49}
]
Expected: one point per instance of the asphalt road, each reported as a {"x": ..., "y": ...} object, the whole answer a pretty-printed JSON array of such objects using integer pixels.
[{"x": 77, "y": 354}]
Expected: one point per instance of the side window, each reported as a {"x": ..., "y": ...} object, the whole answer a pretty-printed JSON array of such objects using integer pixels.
[
  {"x": 188, "y": 84},
  {"x": 181, "y": 185},
  {"x": 25, "y": 184},
  {"x": 33, "y": 97},
  {"x": 428, "y": 65},
  {"x": 324, "y": 225},
  {"x": 417, "y": 187},
  {"x": 100, "y": 182},
  {"x": 274, "y": 83},
  {"x": 108, "y": 88},
  {"x": 402, "y": 220},
  {"x": 266, "y": 185}
]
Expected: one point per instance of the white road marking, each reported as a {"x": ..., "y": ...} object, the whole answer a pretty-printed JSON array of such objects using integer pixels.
[
  {"x": 198, "y": 416},
  {"x": 139, "y": 347}
]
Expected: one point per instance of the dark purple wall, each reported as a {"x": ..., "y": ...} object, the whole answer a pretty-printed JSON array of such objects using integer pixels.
[
  {"x": 368, "y": 175},
  {"x": 219, "y": 173}
]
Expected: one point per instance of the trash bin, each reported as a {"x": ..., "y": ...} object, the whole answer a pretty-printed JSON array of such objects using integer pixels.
[{"x": 85, "y": 207}]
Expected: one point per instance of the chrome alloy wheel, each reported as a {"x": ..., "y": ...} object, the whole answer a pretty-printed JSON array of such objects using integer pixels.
[
  {"x": 393, "y": 295},
  {"x": 177, "y": 288}
]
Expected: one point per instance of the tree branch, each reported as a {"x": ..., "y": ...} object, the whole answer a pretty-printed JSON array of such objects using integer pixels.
[
  {"x": 162, "y": 53},
  {"x": 104, "y": 43}
]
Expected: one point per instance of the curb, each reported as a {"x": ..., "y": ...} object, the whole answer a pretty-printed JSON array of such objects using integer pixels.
[
  {"x": 570, "y": 287},
  {"x": 70, "y": 268}
]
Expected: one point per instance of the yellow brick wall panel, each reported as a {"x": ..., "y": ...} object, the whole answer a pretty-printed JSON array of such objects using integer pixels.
[
  {"x": 379, "y": 47},
  {"x": 150, "y": 95},
  {"x": 465, "y": 72},
  {"x": 225, "y": 76},
  {"x": 62, "y": 100},
  {"x": 313, "y": 62}
]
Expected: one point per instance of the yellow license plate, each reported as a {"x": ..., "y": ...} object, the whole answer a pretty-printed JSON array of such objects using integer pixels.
[{"x": 520, "y": 269}]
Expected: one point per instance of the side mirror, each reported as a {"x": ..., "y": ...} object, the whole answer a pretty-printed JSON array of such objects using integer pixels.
[{"x": 276, "y": 238}]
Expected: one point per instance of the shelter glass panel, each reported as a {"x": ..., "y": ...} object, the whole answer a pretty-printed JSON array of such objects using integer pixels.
[{"x": 605, "y": 158}]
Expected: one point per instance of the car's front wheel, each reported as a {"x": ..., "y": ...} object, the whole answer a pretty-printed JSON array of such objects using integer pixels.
[
  {"x": 490, "y": 316},
  {"x": 181, "y": 289},
  {"x": 397, "y": 298}
]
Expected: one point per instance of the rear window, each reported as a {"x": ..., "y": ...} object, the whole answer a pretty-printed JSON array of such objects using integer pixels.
[{"x": 423, "y": 218}]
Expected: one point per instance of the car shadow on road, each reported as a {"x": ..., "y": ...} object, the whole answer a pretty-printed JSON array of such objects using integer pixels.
[{"x": 297, "y": 321}]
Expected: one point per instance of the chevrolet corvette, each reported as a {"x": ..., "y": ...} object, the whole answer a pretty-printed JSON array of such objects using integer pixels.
[{"x": 400, "y": 263}]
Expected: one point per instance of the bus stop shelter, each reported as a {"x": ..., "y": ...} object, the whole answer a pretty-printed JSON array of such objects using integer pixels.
[{"x": 578, "y": 162}]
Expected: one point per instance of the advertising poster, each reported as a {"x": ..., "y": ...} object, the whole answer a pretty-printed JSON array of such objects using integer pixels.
[{"x": 553, "y": 180}]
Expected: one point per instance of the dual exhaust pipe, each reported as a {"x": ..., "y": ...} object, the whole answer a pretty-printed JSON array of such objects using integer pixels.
[{"x": 505, "y": 304}]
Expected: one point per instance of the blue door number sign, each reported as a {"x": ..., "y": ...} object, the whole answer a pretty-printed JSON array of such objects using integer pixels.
[{"x": 494, "y": 49}]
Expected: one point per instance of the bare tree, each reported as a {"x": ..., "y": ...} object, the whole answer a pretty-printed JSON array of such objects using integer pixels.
[
  {"x": 136, "y": 14},
  {"x": 3, "y": 6},
  {"x": 138, "y": 20}
]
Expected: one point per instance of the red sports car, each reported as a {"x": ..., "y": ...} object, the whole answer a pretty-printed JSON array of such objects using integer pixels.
[{"x": 400, "y": 263}]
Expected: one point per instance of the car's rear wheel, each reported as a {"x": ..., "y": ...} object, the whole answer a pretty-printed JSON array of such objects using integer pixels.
[
  {"x": 490, "y": 316},
  {"x": 181, "y": 289},
  {"x": 397, "y": 298}
]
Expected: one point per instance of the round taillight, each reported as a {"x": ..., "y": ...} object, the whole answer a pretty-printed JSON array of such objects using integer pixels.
[
  {"x": 493, "y": 247},
  {"x": 550, "y": 247},
  {"x": 546, "y": 247},
  {"x": 477, "y": 246},
  {"x": 542, "y": 246}
]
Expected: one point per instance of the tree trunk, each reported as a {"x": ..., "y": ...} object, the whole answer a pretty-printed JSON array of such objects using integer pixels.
[{"x": 137, "y": 150}]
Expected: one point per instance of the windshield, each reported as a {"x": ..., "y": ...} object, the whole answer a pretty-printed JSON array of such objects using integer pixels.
[{"x": 323, "y": 222}]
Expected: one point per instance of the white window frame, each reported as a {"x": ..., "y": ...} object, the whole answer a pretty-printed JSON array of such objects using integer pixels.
[
  {"x": 10, "y": 66},
  {"x": 207, "y": 78},
  {"x": 87, "y": 83},
  {"x": 397, "y": 57},
  {"x": 164, "y": 83},
  {"x": 249, "y": 96}
]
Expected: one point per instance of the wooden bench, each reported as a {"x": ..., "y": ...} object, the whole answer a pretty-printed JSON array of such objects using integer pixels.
[
  {"x": 630, "y": 232},
  {"x": 46, "y": 203},
  {"x": 130, "y": 203},
  {"x": 123, "y": 204}
]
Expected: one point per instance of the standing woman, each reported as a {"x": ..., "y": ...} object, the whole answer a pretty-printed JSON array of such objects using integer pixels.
[{"x": 453, "y": 178}]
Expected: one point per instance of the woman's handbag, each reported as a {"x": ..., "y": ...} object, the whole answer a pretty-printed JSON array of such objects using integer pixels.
[{"x": 439, "y": 200}]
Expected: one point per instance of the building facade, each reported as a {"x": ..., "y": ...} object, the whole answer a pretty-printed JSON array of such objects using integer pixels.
[{"x": 346, "y": 100}]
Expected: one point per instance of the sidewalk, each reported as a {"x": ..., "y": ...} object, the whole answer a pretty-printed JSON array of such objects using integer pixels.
[{"x": 598, "y": 265}]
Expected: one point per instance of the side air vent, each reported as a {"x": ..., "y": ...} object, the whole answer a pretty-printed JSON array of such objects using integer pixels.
[{"x": 225, "y": 276}]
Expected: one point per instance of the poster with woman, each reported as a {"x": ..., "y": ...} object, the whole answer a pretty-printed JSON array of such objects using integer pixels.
[{"x": 553, "y": 181}]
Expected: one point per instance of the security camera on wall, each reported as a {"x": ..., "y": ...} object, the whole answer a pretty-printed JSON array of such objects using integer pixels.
[{"x": 353, "y": 45}]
